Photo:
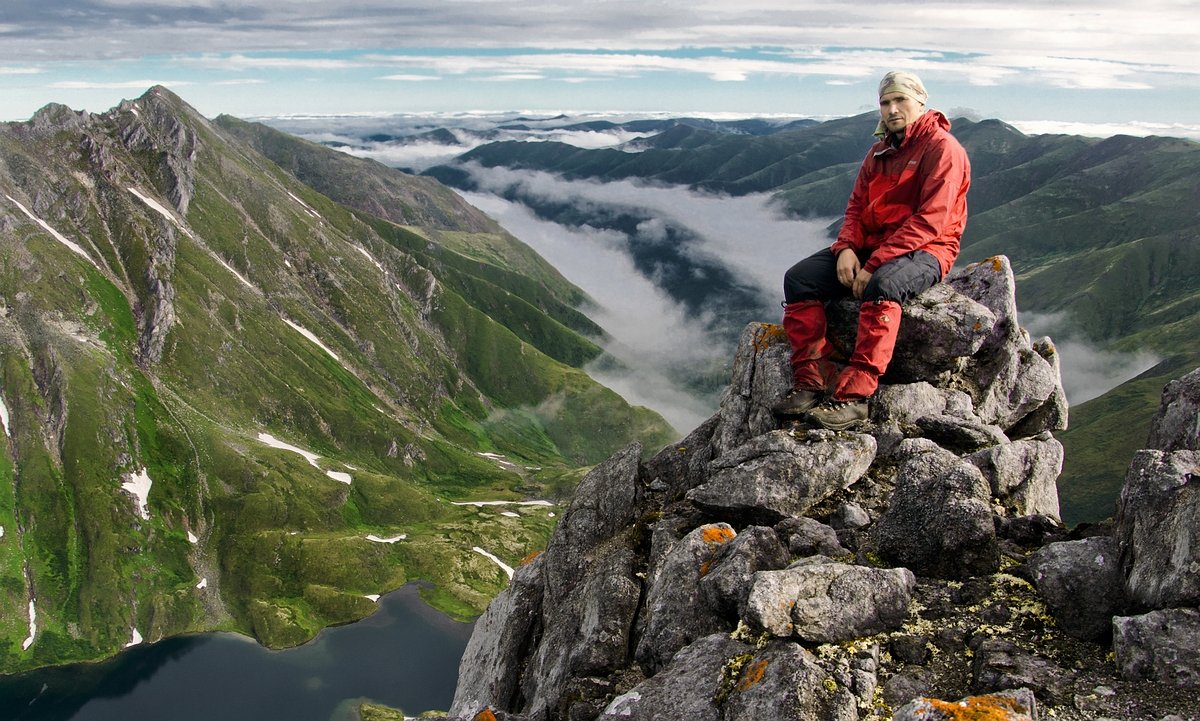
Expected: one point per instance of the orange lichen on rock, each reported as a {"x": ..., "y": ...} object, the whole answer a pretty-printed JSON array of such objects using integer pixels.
[
  {"x": 767, "y": 335},
  {"x": 980, "y": 708},
  {"x": 529, "y": 559},
  {"x": 752, "y": 674},
  {"x": 485, "y": 715},
  {"x": 997, "y": 263},
  {"x": 717, "y": 534}
]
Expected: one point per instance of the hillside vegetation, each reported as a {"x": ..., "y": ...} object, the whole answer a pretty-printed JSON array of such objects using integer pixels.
[{"x": 249, "y": 382}]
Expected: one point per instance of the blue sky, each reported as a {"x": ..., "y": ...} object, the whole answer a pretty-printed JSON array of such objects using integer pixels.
[{"x": 1090, "y": 67}]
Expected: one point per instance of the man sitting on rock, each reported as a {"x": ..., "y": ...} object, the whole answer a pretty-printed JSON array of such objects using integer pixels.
[{"x": 899, "y": 237}]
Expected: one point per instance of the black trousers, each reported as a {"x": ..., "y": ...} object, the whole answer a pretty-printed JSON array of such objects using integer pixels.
[{"x": 815, "y": 278}]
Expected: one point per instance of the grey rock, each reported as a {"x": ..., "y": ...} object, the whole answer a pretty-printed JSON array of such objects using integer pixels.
[
  {"x": 1023, "y": 475},
  {"x": 1000, "y": 665},
  {"x": 959, "y": 434},
  {"x": 778, "y": 474},
  {"x": 1010, "y": 705},
  {"x": 761, "y": 377},
  {"x": 489, "y": 672},
  {"x": 907, "y": 685},
  {"x": 906, "y": 403},
  {"x": 938, "y": 330},
  {"x": 1053, "y": 414},
  {"x": 1160, "y": 646},
  {"x": 783, "y": 682},
  {"x": 680, "y": 467},
  {"x": 809, "y": 537},
  {"x": 1082, "y": 584},
  {"x": 584, "y": 633},
  {"x": 677, "y": 612},
  {"x": 939, "y": 522},
  {"x": 829, "y": 602},
  {"x": 1176, "y": 426},
  {"x": 726, "y": 582},
  {"x": 1158, "y": 528},
  {"x": 684, "y": 691},
  {"x": 1007, "y": 378},
  {"x": 850, "y": 515}
]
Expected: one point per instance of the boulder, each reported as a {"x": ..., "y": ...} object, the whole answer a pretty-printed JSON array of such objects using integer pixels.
[
  {"x": 490, "y": 670},
  {"x": 829, "y": 602},
  {"x": 677, "y": 611},
  {"x": 1159, "y": 646},
  {"x": 939, "y": 522},
  {"x": 939, "y": 328},
  {"x": 1000, "y": 665},
  {"x": 809, "y": 537},
  {"x": 1158, "y": 528},
  {"x": 1082, "y": 584},
  {"x": 1023, "y": 475},
  {"x": 781, "y": 473},
  {"x": 1176, "y": 427},
  {"x": 726, "y": 585},
  {"x": 1013, "y": 705}
]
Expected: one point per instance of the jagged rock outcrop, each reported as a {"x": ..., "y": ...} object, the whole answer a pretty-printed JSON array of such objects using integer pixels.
[{"x": 754, "y": 571}]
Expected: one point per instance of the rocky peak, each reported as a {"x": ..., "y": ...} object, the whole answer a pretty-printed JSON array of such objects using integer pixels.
[{"x": 753, "y": 571}]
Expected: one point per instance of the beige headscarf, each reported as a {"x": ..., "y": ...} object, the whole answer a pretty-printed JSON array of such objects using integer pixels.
[{"x": 899, "y": 81}]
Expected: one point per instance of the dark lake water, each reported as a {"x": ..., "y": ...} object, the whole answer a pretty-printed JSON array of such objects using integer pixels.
[{"x": 404, "y": 656}]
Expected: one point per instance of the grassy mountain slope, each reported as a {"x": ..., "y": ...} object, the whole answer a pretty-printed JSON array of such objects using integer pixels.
[
  {"x": 182, "y": 320},
  {"x": 1103, "y": 232}
]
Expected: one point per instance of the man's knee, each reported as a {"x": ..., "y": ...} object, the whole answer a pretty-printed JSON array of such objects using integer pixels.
[{"x": 903, "y": 278}]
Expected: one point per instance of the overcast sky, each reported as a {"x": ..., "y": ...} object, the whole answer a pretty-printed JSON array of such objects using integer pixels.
[{"x": 1102, "y": 64}]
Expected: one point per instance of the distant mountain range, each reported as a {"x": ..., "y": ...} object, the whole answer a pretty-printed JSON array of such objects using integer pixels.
[
  {"x": 249, "y": 382},
  {"x": 1103, "y": 234}
]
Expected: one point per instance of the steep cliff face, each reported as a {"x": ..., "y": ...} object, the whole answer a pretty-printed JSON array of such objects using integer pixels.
[
  {"x": 232, "y": 402},
  {"x": 758, "y": 572}
]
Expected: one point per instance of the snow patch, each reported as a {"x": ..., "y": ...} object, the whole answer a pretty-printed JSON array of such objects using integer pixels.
[
  {"x": 236, "y": 274},
  {"x": 192, "y": 538},
  {"x": 507, "y": 569},
  {"x": 510, "y": 514},
  {"x": 57, "y": 235},
  {"x": 478, "y": 504},
  {"x": 370, "y": 258},
  {"x": 139, "y": 486},
  {"x": 136, "y": 639},
  {"x": 4, "y": 417},
  {"x": 32, "y": 626},
  {"x": 276, "y": 443},
  {"x": 309, "y": 335},
  {"x": 372, "y": 596},
  {"x": 160, "y": 209},
  {"x": 307, "y": 208},
  {"x": 203, "y": 583},
  {"x": 393, "y": 539},
  {"x": 1, "y": 531},
  {"x": 339, "y": 476}
]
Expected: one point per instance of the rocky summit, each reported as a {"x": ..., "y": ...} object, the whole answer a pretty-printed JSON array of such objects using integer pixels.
[{"x": 915, "y": 568}]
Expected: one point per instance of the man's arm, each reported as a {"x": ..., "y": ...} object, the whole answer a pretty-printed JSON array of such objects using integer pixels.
[
  {"x": 937, "y": 209},
  {"x": 850, "y": 235}
]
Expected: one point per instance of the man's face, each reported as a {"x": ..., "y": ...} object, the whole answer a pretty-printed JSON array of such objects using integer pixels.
[{"x": 898, "y": 111}]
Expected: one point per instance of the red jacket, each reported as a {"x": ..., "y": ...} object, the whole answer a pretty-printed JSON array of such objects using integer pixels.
[{"x": 913, "y": 197}]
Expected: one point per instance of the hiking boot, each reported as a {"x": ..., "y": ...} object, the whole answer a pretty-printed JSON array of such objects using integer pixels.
[
  {"x": 838, "y": 415},
  {"x": 796, "y": 403}
]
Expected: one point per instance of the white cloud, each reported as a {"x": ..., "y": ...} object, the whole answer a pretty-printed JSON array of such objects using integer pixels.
[
  {"x": 662, "y": 344},
  {"x": 1087, "y": 371}
]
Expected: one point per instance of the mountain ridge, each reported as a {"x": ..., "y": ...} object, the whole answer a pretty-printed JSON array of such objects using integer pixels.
[{"x": 234, "y": 403}]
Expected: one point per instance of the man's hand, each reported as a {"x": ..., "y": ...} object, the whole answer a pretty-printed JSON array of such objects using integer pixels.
[
  {"x": 847, "y": 267},
  {"x": 860, "y": 283}
]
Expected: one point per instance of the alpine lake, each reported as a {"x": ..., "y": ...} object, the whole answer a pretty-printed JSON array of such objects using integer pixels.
[{"x": 404, "y": 656}]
